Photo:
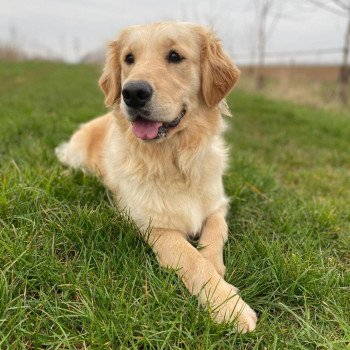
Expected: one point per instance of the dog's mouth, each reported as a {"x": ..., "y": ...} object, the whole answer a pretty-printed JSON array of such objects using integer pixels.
[{"x": 147, "y": 129}]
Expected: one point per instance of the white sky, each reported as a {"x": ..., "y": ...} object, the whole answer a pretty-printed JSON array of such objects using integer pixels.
[{"x": 71, "y": 28}]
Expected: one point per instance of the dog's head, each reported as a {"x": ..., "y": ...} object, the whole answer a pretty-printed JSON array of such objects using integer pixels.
[{"x": 161, "y": 73}]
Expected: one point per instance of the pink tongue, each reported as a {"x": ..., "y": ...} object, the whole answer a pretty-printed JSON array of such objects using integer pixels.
[{"x": 145, "y": 129}]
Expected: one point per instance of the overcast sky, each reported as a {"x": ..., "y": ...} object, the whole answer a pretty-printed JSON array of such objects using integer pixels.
[{"x": 70, "y": 29}]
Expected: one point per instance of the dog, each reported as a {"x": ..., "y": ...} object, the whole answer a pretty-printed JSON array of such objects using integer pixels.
[{"x": 160, "y": 152}]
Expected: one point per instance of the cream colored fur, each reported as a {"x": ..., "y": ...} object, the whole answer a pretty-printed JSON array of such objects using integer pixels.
[{"x": 172, "y": 188}]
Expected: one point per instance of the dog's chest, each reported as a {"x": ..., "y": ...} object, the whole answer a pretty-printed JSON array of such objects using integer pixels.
[
  {"x": 168, "y": 200},
  {"x": 160, "y": 194},
  {"x": 168, "y": 203}
]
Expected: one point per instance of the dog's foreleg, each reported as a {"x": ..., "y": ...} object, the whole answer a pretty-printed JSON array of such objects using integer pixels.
[
  {"x": 212, "y": 240},
  {"x": 201, "y": 278}
]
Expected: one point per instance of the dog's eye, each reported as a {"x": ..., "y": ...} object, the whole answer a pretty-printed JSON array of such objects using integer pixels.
[
  {"x": 129, "y": 58},
  {"x": 174, "y": 57}
]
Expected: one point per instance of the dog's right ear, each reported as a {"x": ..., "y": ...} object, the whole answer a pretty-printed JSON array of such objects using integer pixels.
[{"x": 110, "y": 81}]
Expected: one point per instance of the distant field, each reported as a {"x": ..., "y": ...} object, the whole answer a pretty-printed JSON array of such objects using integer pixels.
[
  {"x": 313, "y": 85},
  {"x": 75, "y": 275},
  {"x": 298, "y": 72}
]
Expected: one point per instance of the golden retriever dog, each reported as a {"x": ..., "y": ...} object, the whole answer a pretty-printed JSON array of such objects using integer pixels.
[{"x": 160, "y": 152}]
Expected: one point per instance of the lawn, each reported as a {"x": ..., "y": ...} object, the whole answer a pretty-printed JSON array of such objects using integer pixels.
[{"x": 75, "y": 275}]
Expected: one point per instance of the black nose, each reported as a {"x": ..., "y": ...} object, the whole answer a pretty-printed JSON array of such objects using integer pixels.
[{"x": 136, "y": 93}]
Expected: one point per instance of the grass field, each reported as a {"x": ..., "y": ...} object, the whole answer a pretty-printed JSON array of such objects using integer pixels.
[{"x": 75, "y": 275}]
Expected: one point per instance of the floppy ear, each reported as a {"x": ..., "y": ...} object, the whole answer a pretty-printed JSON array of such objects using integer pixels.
[
  {"x": 110, "y": 78},
  {"x": 219, "y": 73}
]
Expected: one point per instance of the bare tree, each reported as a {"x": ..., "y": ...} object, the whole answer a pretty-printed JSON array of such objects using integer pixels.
[
  {"x": 210, "y": 13},
  {"x": 268, "y": 12},
  {"x": 205, "y": 12},
  {"x": 340, "y": 8}
]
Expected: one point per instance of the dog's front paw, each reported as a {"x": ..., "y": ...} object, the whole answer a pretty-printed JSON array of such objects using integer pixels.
[{"x": 234, "y": 309}]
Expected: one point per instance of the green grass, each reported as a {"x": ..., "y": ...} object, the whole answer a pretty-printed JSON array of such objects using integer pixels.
[{"x": 74, "y": 274}]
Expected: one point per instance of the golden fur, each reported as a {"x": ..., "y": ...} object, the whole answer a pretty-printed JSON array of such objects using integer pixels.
[{"x": 173, "y": 185}]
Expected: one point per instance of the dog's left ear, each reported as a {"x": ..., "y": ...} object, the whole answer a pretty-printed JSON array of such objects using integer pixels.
[
  {"x": 110, "y": 81},
  {"x": 219, "y": 73}
]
